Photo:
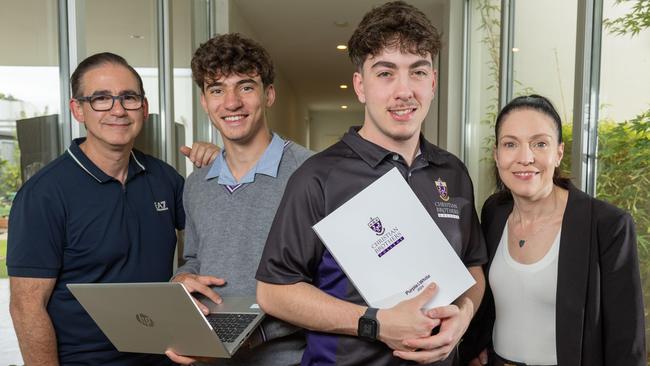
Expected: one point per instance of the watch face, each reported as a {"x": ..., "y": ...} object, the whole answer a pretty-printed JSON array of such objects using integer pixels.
[{"x": 368, "y": 328}]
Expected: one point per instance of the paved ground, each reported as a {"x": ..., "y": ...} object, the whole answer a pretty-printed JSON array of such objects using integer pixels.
[{"x": 9, "y": 352}]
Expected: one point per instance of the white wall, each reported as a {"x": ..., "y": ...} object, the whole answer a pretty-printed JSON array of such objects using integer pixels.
[
  {"x": 285, "y": 115},
  {"x": 28, "y": 33},
  {"x": 327, "y": 127}
]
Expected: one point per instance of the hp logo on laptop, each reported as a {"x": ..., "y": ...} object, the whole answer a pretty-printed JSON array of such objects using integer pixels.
[{"x": 144, "y": 320}]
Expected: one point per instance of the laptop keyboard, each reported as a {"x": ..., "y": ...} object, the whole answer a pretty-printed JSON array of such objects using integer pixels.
[{"x": 229, "y": 326}]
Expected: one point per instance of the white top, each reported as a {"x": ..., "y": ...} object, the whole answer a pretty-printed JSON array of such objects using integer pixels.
[{"x": 524, "y": 297}]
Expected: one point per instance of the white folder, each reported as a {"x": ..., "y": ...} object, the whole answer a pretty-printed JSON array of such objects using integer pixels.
[{"x": 390, "y": 248}]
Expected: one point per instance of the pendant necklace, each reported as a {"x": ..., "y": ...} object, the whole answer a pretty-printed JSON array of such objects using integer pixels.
[{"x": 555, "y": 204}]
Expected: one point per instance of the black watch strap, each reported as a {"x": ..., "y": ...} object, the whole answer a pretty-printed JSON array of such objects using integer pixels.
[
  {"x": 369, "y": 325},
  {"x": 371, "y": 313}
]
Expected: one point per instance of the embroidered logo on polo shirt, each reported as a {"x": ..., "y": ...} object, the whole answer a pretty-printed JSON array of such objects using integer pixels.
[
  {"x": 388, "y": 239},
  {"x": 441, "y": 186},
  {"x": 161, "y": 206},
  {"x": 445, "y": 209}
]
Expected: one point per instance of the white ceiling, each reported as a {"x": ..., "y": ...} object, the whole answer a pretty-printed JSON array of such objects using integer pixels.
[{"x": 301, "y": 37}]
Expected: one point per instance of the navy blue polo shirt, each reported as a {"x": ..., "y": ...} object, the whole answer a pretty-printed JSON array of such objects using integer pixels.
[
  {"x": 294, "y": 253},
  {"x": 73, "y": 222}
]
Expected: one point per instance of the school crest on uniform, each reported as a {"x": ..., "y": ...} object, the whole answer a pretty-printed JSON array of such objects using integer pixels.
[
  {"x": 376, "y": 226},
  {"x": 441, "y": 186}
]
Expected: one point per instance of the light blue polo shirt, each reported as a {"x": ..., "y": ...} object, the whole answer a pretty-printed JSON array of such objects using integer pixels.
[{"x": 267, "y": 164}]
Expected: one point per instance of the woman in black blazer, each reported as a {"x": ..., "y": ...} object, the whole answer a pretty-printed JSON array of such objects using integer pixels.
[{"x": 553, "y": 247}]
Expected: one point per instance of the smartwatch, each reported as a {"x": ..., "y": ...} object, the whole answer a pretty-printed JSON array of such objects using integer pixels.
[{"x": 369, "y": 325}]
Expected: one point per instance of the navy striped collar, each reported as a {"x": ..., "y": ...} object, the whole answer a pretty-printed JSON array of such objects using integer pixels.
[{"x": 79, "y": 157}]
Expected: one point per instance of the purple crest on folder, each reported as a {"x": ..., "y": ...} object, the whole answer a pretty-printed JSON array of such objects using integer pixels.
[
  {"x": 441, "y": 186},
  {"x": 376, "y": 226}
]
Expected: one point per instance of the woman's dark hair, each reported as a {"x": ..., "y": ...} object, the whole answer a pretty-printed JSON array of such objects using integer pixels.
[
  {"x": 542, "y": 105},
  {"x": 97, "y": 60}
]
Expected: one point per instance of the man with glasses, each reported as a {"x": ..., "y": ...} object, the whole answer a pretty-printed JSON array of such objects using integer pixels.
[
  {"x": 103, "y": 103},
  {"x": 101, "y": 212}
]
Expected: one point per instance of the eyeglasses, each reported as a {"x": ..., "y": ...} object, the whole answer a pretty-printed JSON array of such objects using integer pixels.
[{"x": 104, "y": 102}]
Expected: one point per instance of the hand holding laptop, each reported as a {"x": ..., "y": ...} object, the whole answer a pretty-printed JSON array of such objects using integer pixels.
[
  {"x": 202, "y": 284},
  {"x": 254, "y": 340},
  {"x": 163, "y": 316},
  {"x": 187, "y": 360},
  {"x": 197, "y": 283}
]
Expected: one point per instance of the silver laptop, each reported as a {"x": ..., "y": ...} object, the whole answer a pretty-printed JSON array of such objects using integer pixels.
[{"x": 154, "y": 317}]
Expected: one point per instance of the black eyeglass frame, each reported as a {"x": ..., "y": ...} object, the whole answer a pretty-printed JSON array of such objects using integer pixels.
[{"x": 89, "y": 99}]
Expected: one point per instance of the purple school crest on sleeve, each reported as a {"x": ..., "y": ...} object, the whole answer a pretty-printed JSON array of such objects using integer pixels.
[
  {"x": 441, "y": 186},
  {"x": 376, "y": 226}
]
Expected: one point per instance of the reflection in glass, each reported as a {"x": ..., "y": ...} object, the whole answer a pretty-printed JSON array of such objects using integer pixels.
[
  {"x": 544, "y": 58},
  {"x": 29, "y": 90},
  {"x": 182, "y": 51},
  {"x": 482, "y": 94},
  {"x": 623, "y": 176}
]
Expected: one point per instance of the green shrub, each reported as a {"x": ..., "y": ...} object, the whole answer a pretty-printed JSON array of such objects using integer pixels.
[{"x": 623, "y": 177}]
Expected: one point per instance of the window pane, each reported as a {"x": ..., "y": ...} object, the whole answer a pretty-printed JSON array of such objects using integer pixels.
[
  {"x": 182, "y": 53},
  {"x": 544, "y": 57},
  {"x": 29, "y": 107},
  {"x": 623, "y": 176},
  {"x": 482, "y": 94},
  {"x": 127, "y": 28}
]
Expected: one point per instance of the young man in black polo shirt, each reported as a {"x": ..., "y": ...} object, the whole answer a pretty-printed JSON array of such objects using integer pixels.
[
  {"x": 299, "y": 281},
  {"x": 100, "y": 212}
]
